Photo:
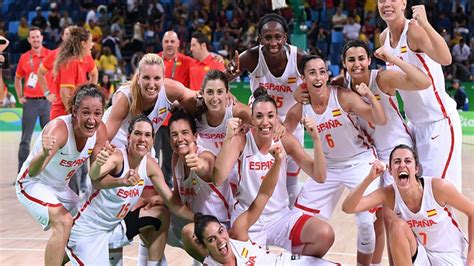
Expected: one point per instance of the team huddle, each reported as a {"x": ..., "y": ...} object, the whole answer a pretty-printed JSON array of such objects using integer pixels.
[{"x": 236, "y": 166}]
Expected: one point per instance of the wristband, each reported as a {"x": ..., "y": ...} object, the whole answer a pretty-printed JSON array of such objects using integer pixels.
[{"x": 46, "y": 93}]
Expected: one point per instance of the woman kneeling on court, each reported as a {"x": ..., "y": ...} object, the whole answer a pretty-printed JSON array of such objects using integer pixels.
[{"x": 426, "y": 233}]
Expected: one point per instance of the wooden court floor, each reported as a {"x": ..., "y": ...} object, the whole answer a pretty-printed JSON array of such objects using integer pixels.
[{"x": 22, "y": 241}]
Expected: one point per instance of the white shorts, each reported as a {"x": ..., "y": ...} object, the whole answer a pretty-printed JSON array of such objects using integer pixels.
[
  {"x": 317, "y": 199},
  {"x": 439, "y": 147},
  {"x": 426, "y": 257},
  {"x": 275, "y": 229},
  {"x": 93, "y": 248},
  {"x": 38, "y": 197}
]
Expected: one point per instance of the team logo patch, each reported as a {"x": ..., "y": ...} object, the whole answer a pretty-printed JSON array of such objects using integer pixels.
[
  {"x": 178, "y": 63},
  {"x": 403, "y": 49},
  {"x": 141, "y": 182},
  {"x": 336, "y": 112},
  {"x": 431, "y": 212},
  {"x": 291, "y": 80},
  {"x": 89, "y": 151},
  {"x": 206, "y": 68},
  {"x": 245, "y": 252},
  {"x": 377, "y": 96},
  {"x": 162, "y": 110}
]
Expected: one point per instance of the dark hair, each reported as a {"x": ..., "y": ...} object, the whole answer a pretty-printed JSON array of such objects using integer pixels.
[
  {"x": 179, "y": 114},
  {"x": 33, "y": 28},
  {"x": 415, "y": 156},
  {"x": 140, "y": 118},
  {"x": 201, "y": 38},
  {"x": 306, "y": 58},
  {"x": 261, "y": 95},
  {"x": 200, "y": 223},
  {"x": 354, "y": 43},
  {"x": 83, "y": 91},
  {"x": 211, "y": 75},
  {"x": 272, "y": 17}
]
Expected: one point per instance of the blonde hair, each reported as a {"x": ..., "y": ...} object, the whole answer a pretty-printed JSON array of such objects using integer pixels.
[
  {"x": 71, "y": 48},
  {"x": 136, "y": 106}
]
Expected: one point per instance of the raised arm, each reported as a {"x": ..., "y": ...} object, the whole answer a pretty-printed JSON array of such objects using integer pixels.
[
  {"x": 351, "y": 102},
  {"x": 423, "y": 37},
  {"x": 293, "y": 117},
  {"x": 411, "y": 79},
  {"x": 242, "y": 224},
  {"x": 156, "y": 177},
  {"x": 176, "y": 91},
  {"x": 202, "y": 164},
  {"x": 233, "y": 145},
  {"x": 106, "y": 161},
  {"x": 54, "y": 136},
  {"x": 446, "y": 194},
  {"x": 356, "y": 202}
]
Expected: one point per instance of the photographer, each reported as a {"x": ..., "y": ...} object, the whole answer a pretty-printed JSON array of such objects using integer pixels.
[{"x": 3, "y": 90}]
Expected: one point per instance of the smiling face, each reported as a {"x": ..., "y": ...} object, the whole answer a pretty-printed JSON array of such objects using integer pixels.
[
  {"x": 87, "y": 117},
  {"x": 264, "y": 118},
  {"x": 140, "y": 140},
  {"x": 170, "y": 44},
  {"x": 214, "y": 94},
  {"x": 150, "y": 79},
  {"x": 35, "y": 38},
  {"x": 216, "y": 240},
  {"x": 182, "y": 139},
  {"x": 272, "y": 37},
  {"x": 357, "y": 62},
  {"x": 315, "y": 74},
  {"x": 403, "y": 168},
  {"x": 391, "y": 10}
]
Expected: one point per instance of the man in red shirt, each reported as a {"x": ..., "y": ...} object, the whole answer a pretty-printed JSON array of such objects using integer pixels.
[
  {"x": 31, "y": 96},
  {"x": 204, "y": 60}
]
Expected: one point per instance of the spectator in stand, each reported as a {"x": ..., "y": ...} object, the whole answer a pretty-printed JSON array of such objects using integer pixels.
[
  {"x": 235, "y": 27},
  {"x": 53, "y": 21},
  {"x": 107, "y": 88},
  {"x": 91, "y": 15},
  {"x": 112, "y": 41},
  {"x": 65, "y": 20},
  {"x": 103, "y": 18},
  {"x": 460, "y": 96},
  {"x": 96, "y": 33},
  {"x": 205, "y": 61},
  {"x": 107, "y": 62},
  {"x": 35, "y": 104},
  {"x": 23, "y": 31},
  {"x": 137, "y": 39},
  {"x": 227, "y": 40},
  {"x": 182, "y": 30},
  {"x": 338, "y": 19},
  {"x": 39, "y": 21},
  {"x": 351, "y": 29},
  {"x": 461, "y": 53}
]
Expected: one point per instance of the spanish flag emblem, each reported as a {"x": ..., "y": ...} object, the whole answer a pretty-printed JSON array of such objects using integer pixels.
[
  {"x": 291, "y": 80},
  {"x": 206, "y": 68},
  {"x": 89, "y": 151},
  {"x": 245, "y": 252},
  {"x": 403, "y": 49},
  {"x": 178, "y": 63},
  {"x": 336, "y": 112},
  {"x": 377, "y": 96},
  {"x": 162, "y": 110},
  {"x": 141, "y": 182},
  {"x": 431, "y": 212}
]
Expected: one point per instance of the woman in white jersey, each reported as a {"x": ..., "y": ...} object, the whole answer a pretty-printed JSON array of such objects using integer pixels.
[
  {"x": 347, "y": 152},
  {"x": 192, "y": 167},
  {"x": 278, "y": 225},
  {"x": 234, "y": 246},
  {"x": 432, "y": 114},
  {"x": 106, "y": 216},
  {"x": 273, "y": 65},
  {"x": 383, "y": 84},
  {"x": 426, "y": 233},
  {"x": 63, "y": 146}
]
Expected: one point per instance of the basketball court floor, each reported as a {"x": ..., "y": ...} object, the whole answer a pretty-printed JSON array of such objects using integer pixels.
[{"x": 22, "y": 240}]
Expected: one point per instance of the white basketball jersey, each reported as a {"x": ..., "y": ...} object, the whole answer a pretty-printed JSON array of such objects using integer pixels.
[
  {"x": 433, "y": 225},
  {"x": 431, "y": 104},
  {"x": 342, "y": 141},
  {"x": 157, "y": 115},
  {"x": 104, "y": 209},
  {"x": 63, "y": 164},
  {"x": 210, "y": 137},
  {"x": 201, "y": 196},
  {"x": 252, "y": 168},
  {"x": 395, "y": 132},
  {"x": 280, "y": 88},
  {"x": 248, "y": 253}
]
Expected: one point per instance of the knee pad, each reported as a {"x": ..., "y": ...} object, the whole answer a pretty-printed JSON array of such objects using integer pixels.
[
  {"x": 366, "y": 238},
  {"x": 134, "y": 223},
  {"x": 147, "y": 221}
]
